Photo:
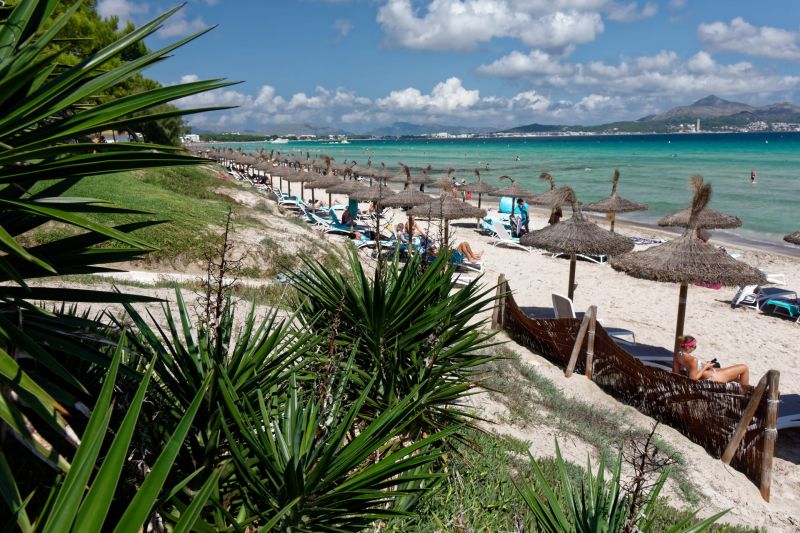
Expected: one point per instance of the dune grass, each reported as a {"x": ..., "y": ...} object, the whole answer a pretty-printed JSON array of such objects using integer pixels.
[{"x": 184, "y": 197}]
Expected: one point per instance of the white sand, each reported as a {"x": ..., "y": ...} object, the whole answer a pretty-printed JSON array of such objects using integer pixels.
[{"x": 732, "y": 335}]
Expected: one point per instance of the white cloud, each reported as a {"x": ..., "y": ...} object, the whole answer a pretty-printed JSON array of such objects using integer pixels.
[
  {"x": 179, "y": 25},
  {"x": 445, "y": 98},
  {"x": 517, "y": 64},
  {"x": 742, "y": 37},
  {"x": 124, "y": 10},
  {"x": 189, "y": 78},
  {"x": 663, "y": 74},
  {"x": 464, "y": 24},
  {"x": 630, "y": 12}
]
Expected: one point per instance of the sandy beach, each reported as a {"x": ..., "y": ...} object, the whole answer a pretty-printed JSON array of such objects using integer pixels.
[{"x": 740, "y": 335}]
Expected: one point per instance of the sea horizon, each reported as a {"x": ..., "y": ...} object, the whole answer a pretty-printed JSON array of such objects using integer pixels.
[{"x": 655, "y": 169}]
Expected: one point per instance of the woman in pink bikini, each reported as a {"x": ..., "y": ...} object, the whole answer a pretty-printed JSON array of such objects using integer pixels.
[{"x": 698, "y": 369}]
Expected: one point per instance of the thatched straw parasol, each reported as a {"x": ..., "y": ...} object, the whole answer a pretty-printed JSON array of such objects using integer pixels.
[
  {"x": 514, "y": 191},
  {"x": 322, "y": 183},
  {"x": 615, "y": 203},
  {"x": 447, "y": 208},
  {"x": 793, "y": 238},
  {"x": 478, "y": 187},
  {"x": 408, "y": 198},
  {"x": 706, "y": 219},
  {"x": 377, "y": 192},
  {"x": 576, "y": 235},
  {"x": 551, "y": 198},
  {"x": 688, "y": 259},
  {"x": 445, "y": 182},
  {"x": 298, "y": 176}
]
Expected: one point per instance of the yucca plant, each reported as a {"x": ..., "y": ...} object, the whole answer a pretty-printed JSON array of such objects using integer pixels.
[
  {"x": 414, "y": 331},
  {"x": 258, "y": 358},
  {"x": 81, "y": 500},
  {"x": 597, "y": 505},
  {"x": 47, "y": 112},
  {"x": 308, "y": 464}
]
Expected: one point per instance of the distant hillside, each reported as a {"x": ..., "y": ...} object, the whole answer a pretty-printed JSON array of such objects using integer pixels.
[
  {"x": 710, "y": 106},
  {"x": 540, "y": 128},
  {"x": 282, "y": 130},
  {"x": 400, "y": 129},
  {"x": 714, "y": 113}
]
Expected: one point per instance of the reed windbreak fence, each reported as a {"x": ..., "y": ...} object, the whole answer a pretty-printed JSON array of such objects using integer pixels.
[{"x": 730, "y": 421}]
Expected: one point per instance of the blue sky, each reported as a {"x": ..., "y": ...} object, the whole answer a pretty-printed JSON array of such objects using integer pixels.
[{"x": 361, "y": 64}]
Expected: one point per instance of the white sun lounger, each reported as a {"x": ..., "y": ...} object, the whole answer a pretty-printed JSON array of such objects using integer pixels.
[
  {"x": 503, "y": 238},
  {"x": 563, "y": 308}
]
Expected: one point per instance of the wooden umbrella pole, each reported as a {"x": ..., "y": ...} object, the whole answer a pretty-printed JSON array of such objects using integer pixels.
[
  {"x": 301, "y": 192},
  {"x": 330, "y": 200},
  {"x": 290, "y": 188},
  {"x": 410, "y": 233},
  {"x": 679, "y": 325},
  {"x": 446, "y": 233},
  {"x": 613, "y": 219},
  {"x": 572, "y": 262},
  {"x": 478, "y": 223}
]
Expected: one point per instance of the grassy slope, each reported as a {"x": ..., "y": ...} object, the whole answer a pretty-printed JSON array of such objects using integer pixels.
[
  {"x": 184, "y": 197},
  {"x": 479, "y": 492}
]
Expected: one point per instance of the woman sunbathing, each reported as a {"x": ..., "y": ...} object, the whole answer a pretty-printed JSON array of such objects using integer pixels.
[
  {"x": 463, "y": 248},
  {"x": 697, "y": 369}
]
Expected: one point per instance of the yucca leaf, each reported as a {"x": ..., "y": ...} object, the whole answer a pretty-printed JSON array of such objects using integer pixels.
[
  {"x": 191, "y": 514},
  {"x": 62, "y": 514},
  {"x": 145, "y": 498},
  {"x": 10, "y": 495},
  {"x": 97, "y": 502}
]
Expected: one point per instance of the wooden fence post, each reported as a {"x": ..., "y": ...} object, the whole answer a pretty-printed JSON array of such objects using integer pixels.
[
  {"x": 590, "y": 343},
  {"x": 499, "y": 305},
  {"x": 741, "y": 427},
  {"x": 770, "y": 432},
  {"x": 573, "y": 358}
]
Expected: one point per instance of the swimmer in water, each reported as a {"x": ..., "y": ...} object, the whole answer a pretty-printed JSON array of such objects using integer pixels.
[
  {"x": 516, "y": 158},
  {"x": 753, "y": 176}
]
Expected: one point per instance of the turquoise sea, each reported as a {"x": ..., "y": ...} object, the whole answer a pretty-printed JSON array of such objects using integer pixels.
[{"x": 654, "y": 169}]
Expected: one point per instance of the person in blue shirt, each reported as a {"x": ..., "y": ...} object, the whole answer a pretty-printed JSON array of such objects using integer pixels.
[{"x": 523, "y": 211}]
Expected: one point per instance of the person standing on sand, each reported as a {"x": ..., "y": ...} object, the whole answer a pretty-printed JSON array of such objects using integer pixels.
[{"x": 753, "y": 176}]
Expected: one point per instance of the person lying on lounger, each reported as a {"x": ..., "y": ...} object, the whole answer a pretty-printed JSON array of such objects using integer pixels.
[
  {"x": 463, "y": 248},
  {"x": 697, "y": 369}
]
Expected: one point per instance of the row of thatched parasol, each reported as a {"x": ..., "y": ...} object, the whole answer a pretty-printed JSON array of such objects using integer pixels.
[{"x": 684, "y": 260}]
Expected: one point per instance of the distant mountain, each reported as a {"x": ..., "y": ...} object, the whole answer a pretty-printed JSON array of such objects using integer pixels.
[
  {"x": 284, "y": 130},
  {"x": 538, "y": 128},
  {"x": 715, "y": 113},
  {"x": 710, "y": 106},
  {"x": 400, "y": 129}
]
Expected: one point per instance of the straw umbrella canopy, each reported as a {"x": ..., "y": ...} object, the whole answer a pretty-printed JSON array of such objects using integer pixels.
[
  {"x": 615, "y": 203},
  {"x": 706, "y": 219},
  {"x": 478, "y": 187},
  {"x": 576, "y": 236},
  {"x": 322, "y": 182},
  {"x": 793, "y": 238},
  {"x": 408, "y": 198},
  {"x": 549, "y": 198},
  {"x": 300, "y": 176},
  {"x": 514, "y": 191},
  {"x": 376, "y": 192},
  {"x": 445, "y": 182},
  {"x": 688, "y": 259},
  {"x": 447, "y": 208}
]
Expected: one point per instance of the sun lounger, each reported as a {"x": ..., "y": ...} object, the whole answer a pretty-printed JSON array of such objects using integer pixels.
[
  {"x": 502, "y": 237},
  {"x": 597, "y": 259},
  {"x": 776, "y": 278},
  {"x": 642, "y": 241},
  {"x": 783, "y": 307},
  {"x": 754, "y": 296},
  {"x": 563, "y": 308}
]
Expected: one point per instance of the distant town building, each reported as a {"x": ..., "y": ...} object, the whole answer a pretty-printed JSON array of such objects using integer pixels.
[{"x": 190, "y": 138}]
